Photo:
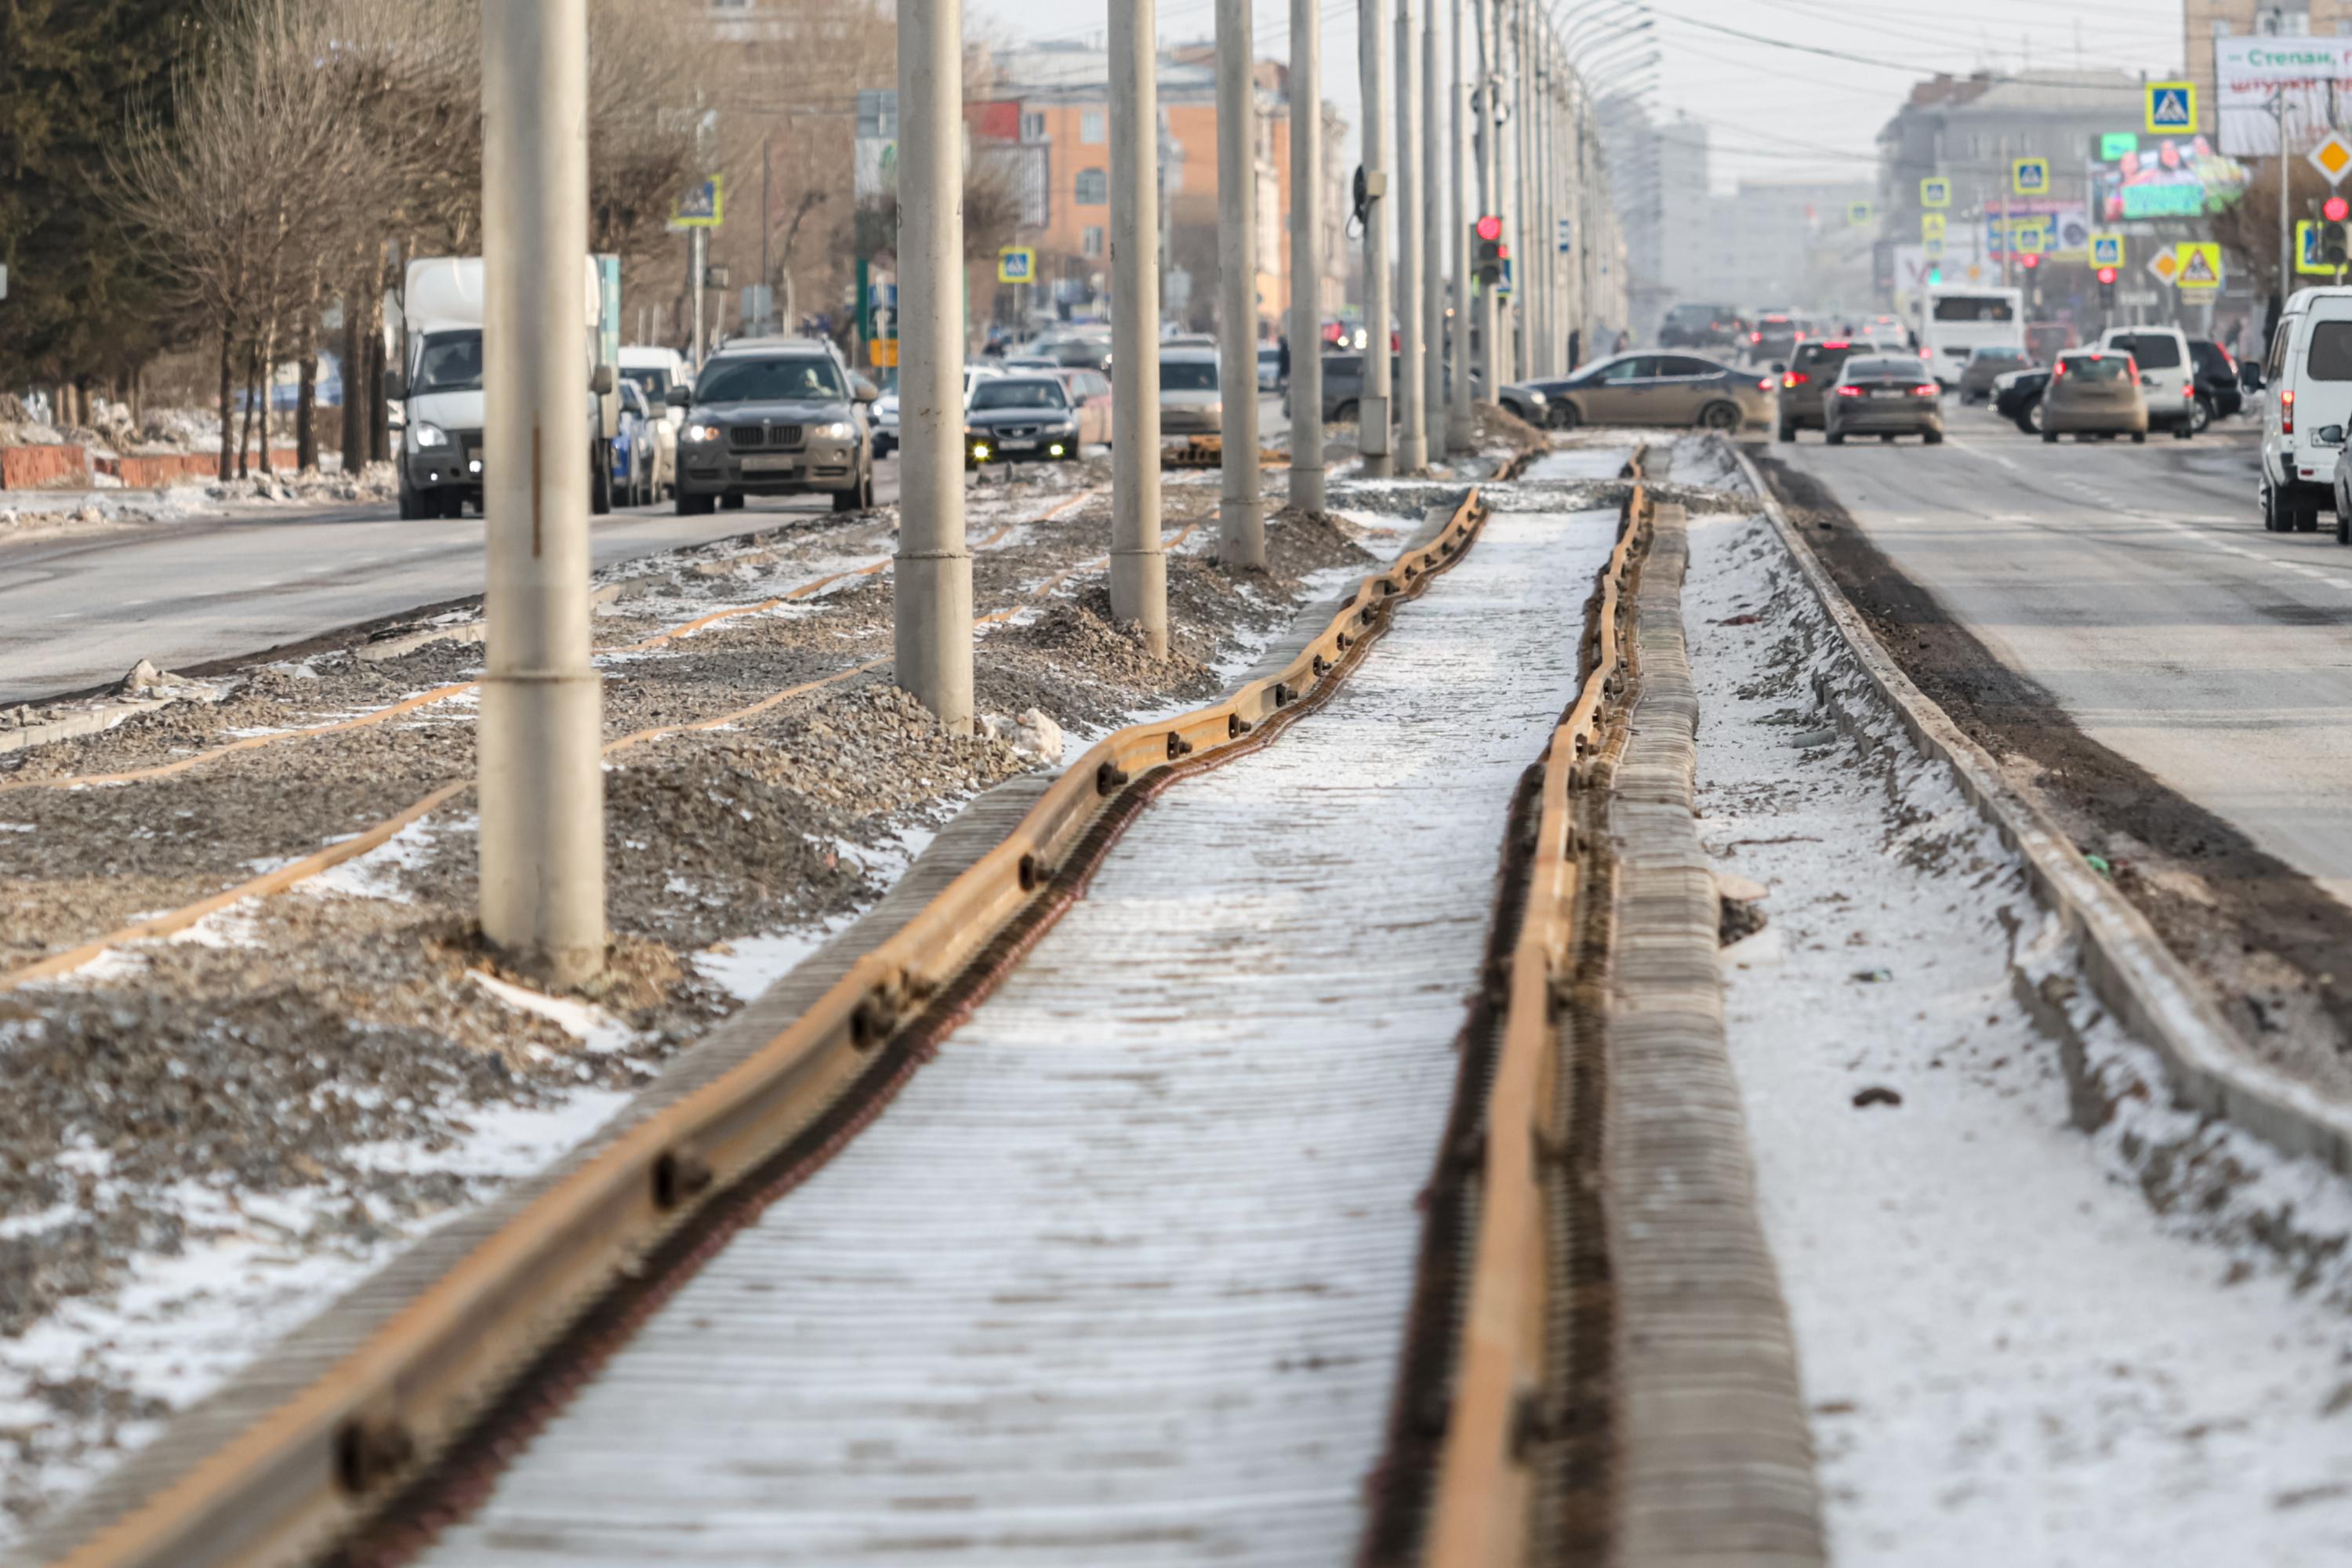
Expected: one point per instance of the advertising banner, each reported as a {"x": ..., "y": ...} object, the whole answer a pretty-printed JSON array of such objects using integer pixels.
[{"x": 2314, "y": 73}]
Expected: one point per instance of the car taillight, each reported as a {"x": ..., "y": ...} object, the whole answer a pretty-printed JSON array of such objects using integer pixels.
[
  {"x": 1849, "y": 392},
  {"x": 2286, "y": 411},
  {"x": 1755, "y": 337},
  {"x": 1928, "y": 390},
  {"x": 1765, "y": 384},
  {"x": 2188, "y": 389},
  {"x": 2061, "y": 371},
  {"x": 1795, "y": 378},
  {"x": 1927, "y": 354}
]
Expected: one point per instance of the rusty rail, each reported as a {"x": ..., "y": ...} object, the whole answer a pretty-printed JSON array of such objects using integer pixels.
[
  {"x": 323, "y": 1462},
  {"x": 1480, "y": 1510}
]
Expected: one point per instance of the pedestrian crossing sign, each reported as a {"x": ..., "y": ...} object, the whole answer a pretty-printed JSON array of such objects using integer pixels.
[
  {"x": 2200, "y": 265},
  {"x": 2171, "y": 106},
  {"x": 2106, "y": 250},
  {"x": 1857, "y": 213},
  {"x": 1016, "y": 264},
  {"x": 1935, "y": 192},
  {"x": 2030, "y": 176}
]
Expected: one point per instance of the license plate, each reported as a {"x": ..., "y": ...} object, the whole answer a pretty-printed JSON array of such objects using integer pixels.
[
  {"x": 766, "y": 465},
  {"x": 1889, "y": 391},
  {"x": 1017, "y": 446}
]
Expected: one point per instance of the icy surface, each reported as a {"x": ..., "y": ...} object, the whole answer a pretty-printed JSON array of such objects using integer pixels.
[{"x": 2010, "y": 1356}]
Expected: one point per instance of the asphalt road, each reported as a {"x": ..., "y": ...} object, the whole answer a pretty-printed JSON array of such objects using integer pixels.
[
  {"x": 2137, "y": 586},
  {"x": 75, "y": 613}
]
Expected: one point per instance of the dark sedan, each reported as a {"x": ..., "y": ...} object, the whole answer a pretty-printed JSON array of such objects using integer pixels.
[
  {"x": 2018, "y": 396},
  {"x": 1015, "y": 417},
  {"x": 2220, "y": 394}
]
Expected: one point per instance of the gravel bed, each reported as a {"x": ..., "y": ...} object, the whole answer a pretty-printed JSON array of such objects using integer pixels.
[{"x": 299, "y": 1084}]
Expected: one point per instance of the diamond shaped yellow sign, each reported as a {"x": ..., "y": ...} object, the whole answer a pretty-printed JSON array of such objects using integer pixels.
[
  {"x": 2332, "y": 157},
  {"x": 2165, "y": 264}
]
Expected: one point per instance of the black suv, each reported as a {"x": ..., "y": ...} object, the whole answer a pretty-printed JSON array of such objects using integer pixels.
[
  {"x": 1701, "y": 326},
  {"x": 774, "y": 418}
]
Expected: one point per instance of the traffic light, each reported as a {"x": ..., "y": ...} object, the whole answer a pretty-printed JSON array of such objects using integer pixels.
[
  {"x": 2335, "y": 244},
  {"x": 2028, "y": 261},
  {"x": 2336, "y": 209},
  {"x": 1935, "y": 275},
  {"x": 1488, "y": 252},
  {"x": 2107, "y": 288}
]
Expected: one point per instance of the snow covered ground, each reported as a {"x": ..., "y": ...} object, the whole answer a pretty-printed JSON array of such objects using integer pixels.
[{"x": 2020, "y": 1343}]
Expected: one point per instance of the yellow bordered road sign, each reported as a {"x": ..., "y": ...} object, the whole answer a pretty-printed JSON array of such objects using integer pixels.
[
  {"x": 1935, "y": 192},
  {"x": 2200, "y": 265},
  {"x": 2163, "y": 265},
  {"x": 1016, "y": 264},
  {"x": 1931, "y": 226},
  {"x": 2171, "y": 108},
  {"x": 2106, "y": 250},
  {"x": 2029, "y": 176}
]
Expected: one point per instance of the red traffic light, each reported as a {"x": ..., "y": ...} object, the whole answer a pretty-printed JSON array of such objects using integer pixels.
[
  {"x": 2336, "y": 209},
  {"x": 1490, "y": 227},
  {"x": 2029, "y": 262},
  {"x": 2106, "y": 275}
]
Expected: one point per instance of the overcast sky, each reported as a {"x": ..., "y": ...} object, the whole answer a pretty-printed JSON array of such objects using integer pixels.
[{"x": 1773, "y": 113}]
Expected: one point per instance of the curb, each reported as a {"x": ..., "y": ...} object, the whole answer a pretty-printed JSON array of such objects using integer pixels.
[
  {"x": 1716, "y": 1452},
  {"x": 2130, "y": 968}
]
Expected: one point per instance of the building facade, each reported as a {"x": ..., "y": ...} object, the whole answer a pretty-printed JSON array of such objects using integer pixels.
[{"x": 2206, "y": 20}]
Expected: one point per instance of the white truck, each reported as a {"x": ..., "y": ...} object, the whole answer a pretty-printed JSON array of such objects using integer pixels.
[
  {"x": 433, "y": 331},
  {"x": 1957, "y": 320}
]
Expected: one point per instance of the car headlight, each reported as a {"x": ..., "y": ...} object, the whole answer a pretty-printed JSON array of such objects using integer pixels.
[
  {"x": 702, "y": 432},
  {"x": 839, "y": 430},
  {"x": 423, "y": 435},
  {"x": 1536, "y": 398}
]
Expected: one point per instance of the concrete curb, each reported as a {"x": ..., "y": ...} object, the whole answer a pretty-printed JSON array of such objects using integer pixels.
[
  {"x": 2130, "y": 968},
  {"x": 1715, "y": 1453}
]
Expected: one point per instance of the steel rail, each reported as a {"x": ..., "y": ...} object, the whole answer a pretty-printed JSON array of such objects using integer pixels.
[
  {"x": 324, "y": 1462},
  {"x": 1480, "y": 1511}
]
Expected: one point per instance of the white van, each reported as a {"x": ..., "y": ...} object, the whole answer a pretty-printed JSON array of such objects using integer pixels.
[
  {"x": 2167, "y": 374},
  {"x": 1957, "y": 320},
  {"x": 2306, "y": 387}
]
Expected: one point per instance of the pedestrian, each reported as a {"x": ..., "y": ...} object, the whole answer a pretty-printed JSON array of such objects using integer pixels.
[
  {"x": 1624, "y": 341},
  {"x": 1281, "y": 359},
  {"x": 1575, "y": 349}
]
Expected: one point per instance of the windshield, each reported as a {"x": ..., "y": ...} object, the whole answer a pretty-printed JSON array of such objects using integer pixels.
[
  {"x": 1975, "y": 307},
  {"x": 450, "y": 362},
  {"x": 2003, "y": 356},
  {"x": 652, "y": 380},
  {"x": 2153, "y": 351},
  {"x": 1865, "y": 369},
  {"x": 1188, "y": 376},
  {"x": 1018, "y": 395},
  {"x": 770, "y": 381},
  {"x": 2107, "y": 367}
]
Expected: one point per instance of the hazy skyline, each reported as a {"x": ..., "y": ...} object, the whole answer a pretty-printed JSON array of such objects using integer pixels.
[{"x": 1773, "y": 111}]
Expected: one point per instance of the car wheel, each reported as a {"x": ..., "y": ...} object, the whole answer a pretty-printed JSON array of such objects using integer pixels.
[
  {"x": 2306, "y": 516},
  {"x": 1833, "y": 437},
  {"x": 2343, "y": 521},
  {"x": 2201, "y": 418},
  {"x": 1720, "y": 416},
  {"x": 2181, "y": 432},
  {"x": 600, "y": 485},
  {"x": 1787, "y": 431},
  {"x": 1932, "y": 437},
  {"x": 1344, "y": 414},
  {"x": 2140, "y": 438},
  {"x": 1888, "y": 437},
  {"x": 2050, "y": 438},
  {"x": 411, "y": 507},
  {"x": 732, "y": 503},
  {"x": 692, "y": 505},
  {"x": 2268, "y": 500},
  {"x": 2035, "y": 417}
]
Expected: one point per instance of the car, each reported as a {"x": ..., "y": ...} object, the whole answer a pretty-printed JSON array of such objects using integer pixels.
[
  {"x": 1987, "y": 364},
  {"x": 1527, "y": 402},
  {"x": 1190, "y": 401},
  {"x": 2220, "y": 394},
  {"x": 2306, "y": 387},
  {"x": 2333, "y": 436},
  {"x": 1774, "y": 335},
  {"x": 886, "y": 416},
  {"x": 1090, "y": 392},
  {"x": 1343, "y": 384},
  {"x": 1659, "y": 389},
  {"x": 1807, "y": 382},
  {"x": 635, "y": 447},
  {"x": 2094, "y": 393},
  {"x": 1884, "y": 396},
  {"x": 775, "y": 417},
  {"x": 1017, "y": 419},
  {"x": 2167, "y": 370},
  {"x": 2018, "y": 396},
  {"x": 1697, "y": 326},
  {"x": 1269, "y": 369},
  {"x": 1091, "y": 350}
]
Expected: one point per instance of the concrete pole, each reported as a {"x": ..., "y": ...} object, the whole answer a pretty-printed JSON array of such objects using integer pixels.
[
  {"x": 541, "y": 772},
  {"x": 1307, "y": 197},
  {"x": 932, "y": 581},
  {"x": 1432, "y": 239},
  {"x": 1411, "y": 444},
  {"x": 1545, "y": 245},
  {"x": 1240, "y": 525},
  {"x": 1372, "y": 414},
  {"x": 1139, "y": 570},
  {"x": 1490, "y": 188},
  {"x": 1461, "y": 432},
  {"x": 698, "y": 267}
]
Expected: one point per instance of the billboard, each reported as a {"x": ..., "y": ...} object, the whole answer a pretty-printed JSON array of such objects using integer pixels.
[
  {"x": 2058, "y": 230},
  {"x": 2314, "y": 72},
  {"x": 2167, "y": 179}
]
